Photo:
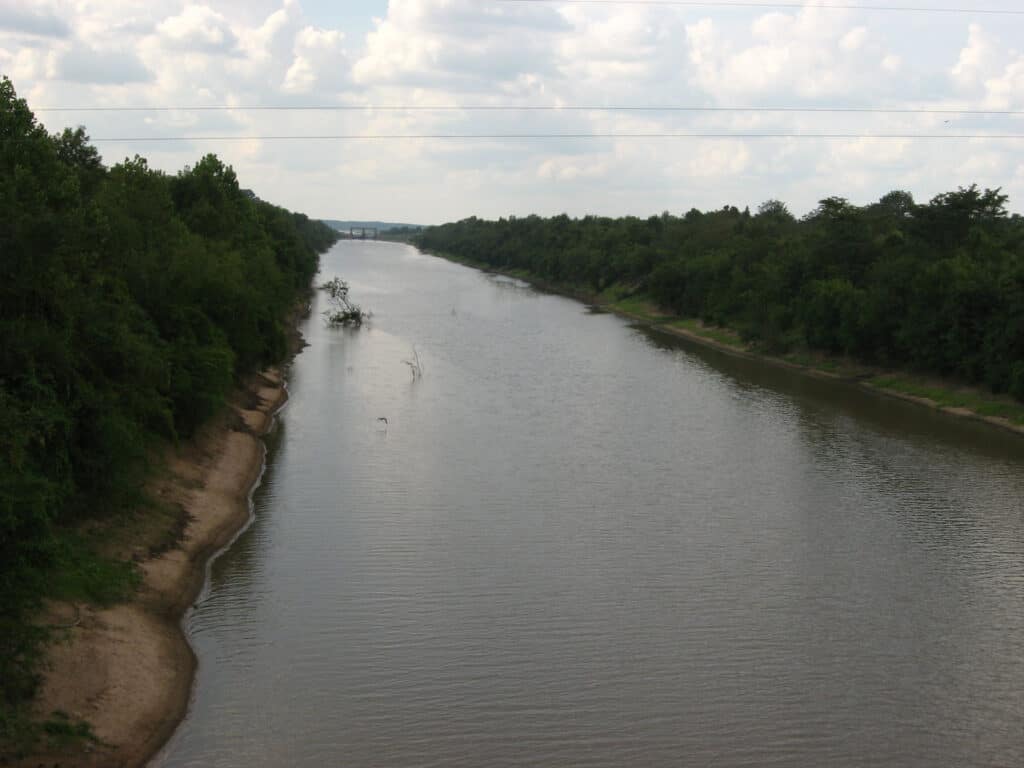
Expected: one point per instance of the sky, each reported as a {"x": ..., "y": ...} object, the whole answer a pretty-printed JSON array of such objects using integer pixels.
[{"x": 171, "y": 56}]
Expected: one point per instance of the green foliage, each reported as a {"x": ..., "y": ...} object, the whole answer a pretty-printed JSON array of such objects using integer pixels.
[
  {"x": 724, "y": 337},
  {"x": 61, "y": 730},
  {"x": 937, "y": 287},
  {"x": 638, "y": 307},
  {"x": 950, "y": 398},
  {"x": 1016, "y": 387},
  {"x": 129, "y": 302},
  {"x": 81, "y": 574}
]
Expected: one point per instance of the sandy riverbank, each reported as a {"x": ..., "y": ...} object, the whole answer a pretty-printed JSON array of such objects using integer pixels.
[{"x": 128, "y": 669}]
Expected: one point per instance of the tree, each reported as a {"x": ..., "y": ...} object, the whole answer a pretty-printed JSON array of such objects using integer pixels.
[
  {"x": 951, "y": 217},
  {"x": 774, "y": 209},
  {"x": 939, "y": 287},
  {"x": 897, "y": 203},
  {"x": 129, "y": 302},
  {"x": 342, "y": 311}
]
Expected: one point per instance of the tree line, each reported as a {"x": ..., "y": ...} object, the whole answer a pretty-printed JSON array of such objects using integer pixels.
[
  {"x": 936, "y": 287},
  {"x": 131, "y": 301}
]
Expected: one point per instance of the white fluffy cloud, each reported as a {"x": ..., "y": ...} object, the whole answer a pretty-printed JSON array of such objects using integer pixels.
[
  {"x": 198, "y": 28},
  {"x": 319, "y": 62},
  {"x": 433, "y": 53},
  {"x": 986, "y": 70},
  {"x": 458, "y": 44},
  {"x": 788, "y": 58}
]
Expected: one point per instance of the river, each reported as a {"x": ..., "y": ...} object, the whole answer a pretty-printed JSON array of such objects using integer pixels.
[{"x": 578, "y": 543}]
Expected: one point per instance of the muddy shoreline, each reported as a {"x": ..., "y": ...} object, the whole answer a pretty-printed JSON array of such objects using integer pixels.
[{"x": 128, "y": 669}]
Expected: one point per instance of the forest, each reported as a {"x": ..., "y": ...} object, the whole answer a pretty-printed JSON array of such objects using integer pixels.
[
  {"x": 936, "y": 288},
  {"x": 131, "y": 301}
]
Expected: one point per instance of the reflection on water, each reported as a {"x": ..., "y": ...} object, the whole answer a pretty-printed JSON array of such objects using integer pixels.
[{"x": 580, "y": 543}]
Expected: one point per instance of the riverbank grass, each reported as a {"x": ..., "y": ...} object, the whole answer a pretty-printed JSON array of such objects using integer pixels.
[
  {"x": 947, "y": 397},
  {"x": 641, "y": 308},
  {"x": 80, "y": 572},
  {"x": 83, "y": 574},
  {"x": 724, "y": 336},
  {"x": 94, "y": 564}
]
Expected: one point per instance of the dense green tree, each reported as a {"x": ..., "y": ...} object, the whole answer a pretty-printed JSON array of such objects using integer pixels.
[
  {"x": 937, "y": 287},
  {"x": 129, "y": 303}
]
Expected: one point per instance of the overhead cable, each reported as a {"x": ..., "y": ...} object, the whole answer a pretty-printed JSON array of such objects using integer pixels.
[
  {"x": 535, "y": 108},
  {"x": 783, "y": 5}
]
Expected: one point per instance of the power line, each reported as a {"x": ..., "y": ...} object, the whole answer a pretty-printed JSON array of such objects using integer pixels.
[
  {"x": 524, "y": 136},
  {"x": 353, "y": 137},
  {"x": 540, "y": 108},
  {"x": 793, "y": 5}
]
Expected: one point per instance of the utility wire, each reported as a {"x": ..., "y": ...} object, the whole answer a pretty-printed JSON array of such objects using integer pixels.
[
  {"x": 793, "y": 5},
  {"x": 523, "y": 136},
  {"x": 538, "y": 108}
]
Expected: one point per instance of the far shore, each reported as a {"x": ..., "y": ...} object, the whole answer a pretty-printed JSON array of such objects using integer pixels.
[
  {"x": 888, "y": 383},
  {"x": 862, "y": 380},
  {"x": 127, "y": 670}
]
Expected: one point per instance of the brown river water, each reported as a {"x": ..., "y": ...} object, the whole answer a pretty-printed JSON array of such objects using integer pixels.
[{"x": 577, "y": 543}]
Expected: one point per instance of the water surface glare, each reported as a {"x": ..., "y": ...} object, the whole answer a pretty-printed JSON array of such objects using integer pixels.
[{"x": 579, "y": 544}]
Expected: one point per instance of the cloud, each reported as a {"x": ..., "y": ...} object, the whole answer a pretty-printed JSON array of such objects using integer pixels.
[
  {"x": 989, "y": 72},
  {"x": 1007, "y": 90},
  {"x": 458, "y": 43},
  {"x": 30, "y": 64},
  {"x": 573, "y": 168},
  {"x": 977, "y": 59},
  {"x": 199, "y": 28},
  {"x": 467, "y": 52},
  {"x": 853, "y": 40},
  {"x": 807, "y": 56},
  {"x": 622, "y": 51},
  {"x": 16, "y": 17},
  {"x": 319, "y": 62},
  {"x": 82, "y": 64},
  {"x": 715, "y": 159},
  {"x": 272, "y": 39}
]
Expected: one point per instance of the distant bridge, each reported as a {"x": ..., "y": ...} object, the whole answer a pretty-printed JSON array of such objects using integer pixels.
[{"x": 362, "y": 233}]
